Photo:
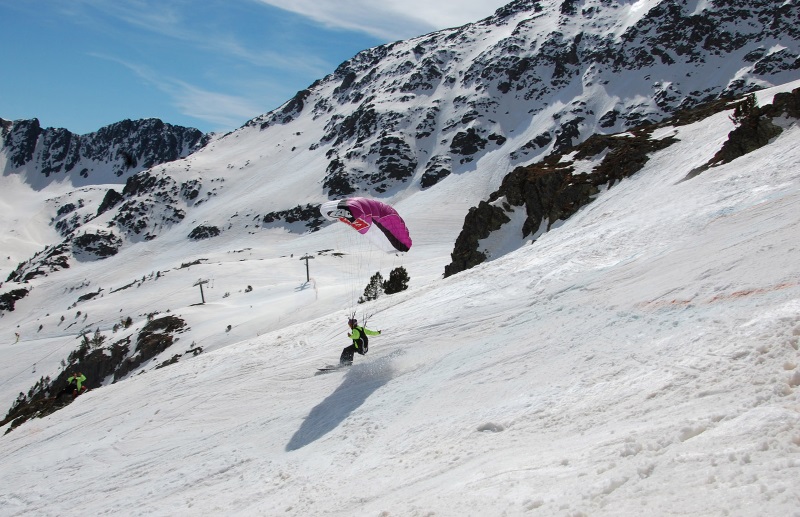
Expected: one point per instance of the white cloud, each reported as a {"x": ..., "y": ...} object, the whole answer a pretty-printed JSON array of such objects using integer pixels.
[
  {"x": 220, "y": 109},
  {"x": 241, "y": 75},
  {"x": 170, "y": 21},
  {"x": 391, "y": 19}
]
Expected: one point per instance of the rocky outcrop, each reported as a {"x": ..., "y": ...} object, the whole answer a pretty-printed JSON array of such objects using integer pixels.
[
  {"x": 97, "y": 361},
  {"x": 10, "y": 298},
  {"x": 437, "y": 168},
  {"x": 755, "y": 127},
  {"x": 156, "y": 337},
  {"x": 478, "y": 224},
  {"x": 124, "y": 148},
  {"x": 98, "y": 244},
  {"x": 552, "y": 191},
  {"x": 308, "y": 215},
  {"x": 203, "y": 232},
  {"x": 111, "y": 199},
  {"x": 758, "y": 126},
  {"x": 49, "y": 260}
]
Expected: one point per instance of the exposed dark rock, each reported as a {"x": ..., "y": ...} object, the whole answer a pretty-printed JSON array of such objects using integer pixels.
[
  {"x": 190, "y": 189},
  {"x": 7, "y": 300},
  {"x": 111, "y": 199},
  {"x": 98, "y": 244},
  {"x": 426, "y": 126},
  {"x": 336, "y": 179},
  {"x": 49, "y": 260},
  {"x": 467, "y": 142},
  {"x": 294, "y": 107},
  {"x": 66, "y": 209},
  {"x": 154, "y": 338},
  {"x": 172, "y": 360},
  {"x": 204, "y": 232},
  {"x": 140, "y": 184},
  {"x": 132, "y": 216},
  {"x": 550, "y": 191},
  {"x": 438, "y": 168},
  {"x": 755, "y": 132},
  {"x": 97, "y": 363},
  {"x": 609, "y": 119},
  {"x": 67, "y": 225},
  {"x": 396, "y": 161},
  {"x": 541, "y": 141},
  {"x": 755, "y": 129},
  {"x": 781, "y": 61},
  {"x": 567, "y": 134},
  {"x": 360, "y": 125},
  {"x": 627, "y": 154},
  {"x": 309, "y": 214},
  {"x": 347, "y": 81},
  {"x": 424, "y": 77},
  {"x": 42, "y": 399},
  {"x": 497, "y": 139},
  {"x": 89, "y": 296},
  {"x": 127, "y": 146},
  {"x": 478, "y": 224},
  {"x": 150, "y": 199},
  {"x": 20, "y": 140}
]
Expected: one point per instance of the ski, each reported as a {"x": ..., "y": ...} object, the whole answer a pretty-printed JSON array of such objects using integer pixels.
[{"x": 330, "y": 368}]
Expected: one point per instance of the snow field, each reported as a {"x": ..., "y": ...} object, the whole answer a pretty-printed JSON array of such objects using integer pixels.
[{"x": 641, "y": 358}]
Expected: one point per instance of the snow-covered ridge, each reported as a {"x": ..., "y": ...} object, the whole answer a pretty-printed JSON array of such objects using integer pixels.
[
  {"x": 535, "y": 198},
  {"x": 398, "y": 120},
  {"x": 642, "y": 355},
  {"x": 110, "y": 155}
]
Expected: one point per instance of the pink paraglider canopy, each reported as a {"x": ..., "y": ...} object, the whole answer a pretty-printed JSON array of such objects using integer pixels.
[{"x": 374, "y": 219}]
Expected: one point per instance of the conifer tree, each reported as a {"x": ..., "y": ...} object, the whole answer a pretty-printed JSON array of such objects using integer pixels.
[
  {"x": 398, "y": 281},
  {"x": 743, "y": 109},
  {"x": 373, "y": 289}
]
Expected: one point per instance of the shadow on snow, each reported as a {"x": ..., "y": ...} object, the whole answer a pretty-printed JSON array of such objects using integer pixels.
[{"x": 361, "y": 381}]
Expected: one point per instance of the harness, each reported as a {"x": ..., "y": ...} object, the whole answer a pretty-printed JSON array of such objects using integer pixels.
[{"x": 362, "y": 343}]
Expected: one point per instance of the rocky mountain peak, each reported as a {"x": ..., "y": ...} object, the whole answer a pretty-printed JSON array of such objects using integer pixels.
[
  {"x": 491, "y": 98},
  {"x": 109, "y": 155},
  {"x": 569, "y": 68}
]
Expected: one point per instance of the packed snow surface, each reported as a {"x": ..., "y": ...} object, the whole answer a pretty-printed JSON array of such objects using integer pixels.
[{"x": 640, "y": 358}]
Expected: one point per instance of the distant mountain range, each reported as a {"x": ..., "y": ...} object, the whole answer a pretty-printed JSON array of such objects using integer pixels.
[
  {"x": 530, "y": 82},
  {"x": 112, "y": 154}
]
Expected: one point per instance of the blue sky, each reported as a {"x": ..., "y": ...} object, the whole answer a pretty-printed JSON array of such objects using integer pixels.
[{"x": 209, "y": 64}]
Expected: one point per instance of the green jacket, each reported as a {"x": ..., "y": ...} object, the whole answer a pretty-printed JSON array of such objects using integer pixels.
[
  {"x": 355, "y": 334},
  {"x": 77, "y": 380}
]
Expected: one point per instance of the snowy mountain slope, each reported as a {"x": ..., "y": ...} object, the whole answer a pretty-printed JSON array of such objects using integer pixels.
[
  {"x": 398, "y": 120},
  {"x": 535, "y": 198},
  {"x": 641, "y": 357},
  {"x": 66, "y": 177},
  {"x": 249, "y": 198}
]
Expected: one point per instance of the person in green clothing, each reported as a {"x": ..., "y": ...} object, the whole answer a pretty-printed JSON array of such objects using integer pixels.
[
  {"x": 360, "y": 342},
  {"x": 75, "y": 385}
]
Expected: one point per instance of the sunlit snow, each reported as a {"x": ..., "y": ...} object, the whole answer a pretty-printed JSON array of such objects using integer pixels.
[{"x": 641, "y": 358}]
